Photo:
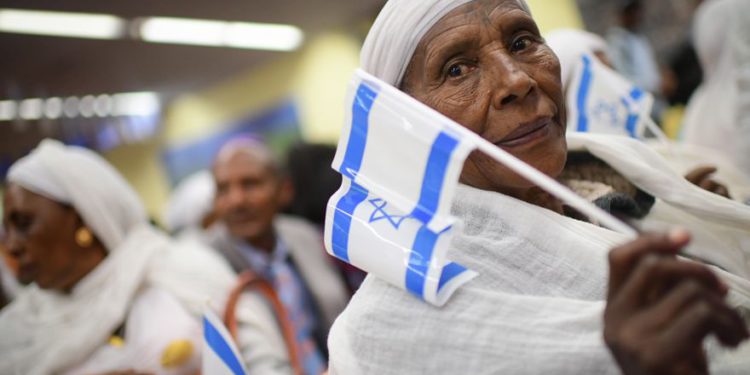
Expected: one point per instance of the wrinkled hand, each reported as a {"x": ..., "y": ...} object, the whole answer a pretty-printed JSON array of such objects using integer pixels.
[
  {"x": 701, "y": 177},
  {"x": 660, "y": 309}
]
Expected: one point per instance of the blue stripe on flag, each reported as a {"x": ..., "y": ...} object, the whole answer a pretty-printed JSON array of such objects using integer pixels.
[
  {"x": 583, "y": 93},
  {"x": 342, "y": 220},
  {"x": 434, "y": 176},
  {"x": 419, "y": 261},
  {"x": 449, "y": 272},
  {"x": 355, "y": 150},
  {"x": 632, "y": 120},
  {"x": 216, "y": 342},
  {"x": 636, "y": 94}
]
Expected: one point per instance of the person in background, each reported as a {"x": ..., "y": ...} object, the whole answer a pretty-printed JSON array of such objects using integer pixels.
[
  {"x": 314, "y": 182},
  {"x": 630, "y": 51},
  {"x": 251, "y": 190},
  {"x": 570, "y": 44},
  {"x": 718, "y": 114},
  {"x": 685, "y": 66},
  {"x": 190, "y": 207},
  {"x": 108, "y": 292},
  {"x": 9, "y": 287}
]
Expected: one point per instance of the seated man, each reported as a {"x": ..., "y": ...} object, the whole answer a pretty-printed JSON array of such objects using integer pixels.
[{"x": 287, "y": 252}]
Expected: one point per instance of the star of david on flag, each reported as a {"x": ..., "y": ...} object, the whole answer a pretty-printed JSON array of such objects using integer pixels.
[
  {"x": 601, "y": 101},
  {"x": 391, "y": 215}
]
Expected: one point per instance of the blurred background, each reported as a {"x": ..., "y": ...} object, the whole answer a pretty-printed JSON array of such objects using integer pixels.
[{"x": 157, "y": 86}]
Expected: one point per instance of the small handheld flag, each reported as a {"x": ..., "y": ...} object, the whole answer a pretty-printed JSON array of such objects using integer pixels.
[
  {"x": 220, "y": 355},
  {"x": 400, "y": 162},
  {"x": 601, "y": 101}
]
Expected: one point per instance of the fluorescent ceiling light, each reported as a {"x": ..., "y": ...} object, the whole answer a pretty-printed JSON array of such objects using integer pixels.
[
  {"x": 31, "y": 109},
  {"x": 136, "y": 104},
  {"x": 7, "y": 110},
  {"x": 80, "y": 25},
  {"x": 221, "y": 34},
  {"x": 53, "y": 108}
]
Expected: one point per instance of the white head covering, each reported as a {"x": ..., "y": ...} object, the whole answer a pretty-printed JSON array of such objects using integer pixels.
[
  {"x": 718, "y": 115},
  {"x": 190, "y": 202},
  {"x": 82, "y": 179},
  {"x": 569, "y": 45},
  {"x": 397, "y": 31},
  {"x": 44, "y": 331}
]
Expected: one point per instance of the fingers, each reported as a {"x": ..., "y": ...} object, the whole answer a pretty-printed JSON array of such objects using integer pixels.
[
  {"x": 623, "y": 259},
  {"x": 707, "y": 315},
  {"x": 655, "y": 275},
  {"x": 699, "y": 174},
  {"x": 701, "y": 177},
  {"x": 723, "y": 191},
  {"x": 708, "y": 185}
]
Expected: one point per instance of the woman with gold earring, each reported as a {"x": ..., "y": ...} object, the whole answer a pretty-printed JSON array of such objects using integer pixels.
[{"x": 108, "y": 292}]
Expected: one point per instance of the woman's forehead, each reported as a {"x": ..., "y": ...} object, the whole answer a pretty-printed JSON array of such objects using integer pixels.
[
  {"x": 16, "y": 196},
  {"x": 466, "y": 19}
]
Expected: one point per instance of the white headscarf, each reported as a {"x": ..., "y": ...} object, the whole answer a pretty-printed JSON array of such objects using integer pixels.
[
  {"x": 78, "y": 177},
  {"x": 569, "y": 45},
  {"x": 44, "y": 331},
  {"x": 397, "y": 31},
  {"x": 190, "y": 202},
  {"x": 718, "y": 115}
]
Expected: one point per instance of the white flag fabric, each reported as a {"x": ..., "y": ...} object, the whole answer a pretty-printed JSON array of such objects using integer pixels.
[
  {"x": 601, "y": 101},
  {"x": 400, "y": 166},
  {"x": 220, "y": 355}
]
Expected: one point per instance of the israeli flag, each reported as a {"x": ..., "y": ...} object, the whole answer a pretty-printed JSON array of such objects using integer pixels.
[
  {"x": 400, "y": 163},
  {"x": 220, "y": 355},
  {"x": 601, "y": 101}
]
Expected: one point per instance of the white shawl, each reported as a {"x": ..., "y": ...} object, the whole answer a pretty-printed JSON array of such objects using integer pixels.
[
  {"x": 536, "y": 306},
  {"x": 718, "y": 115},
  {"x": 44, "y": 331}
]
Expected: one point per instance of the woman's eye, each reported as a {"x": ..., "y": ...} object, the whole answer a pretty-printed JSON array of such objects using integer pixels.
[
  {"x": 455, "y": 70},
  {"x": 22, "y": 224},
  {"x": 521, "y": 44}
]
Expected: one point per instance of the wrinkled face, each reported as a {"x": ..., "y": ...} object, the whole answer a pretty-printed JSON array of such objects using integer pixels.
[
  {"x": 248, "y": 195},
  {"x": 40, "y": 235},
  {"x": 486, "y": 66}
]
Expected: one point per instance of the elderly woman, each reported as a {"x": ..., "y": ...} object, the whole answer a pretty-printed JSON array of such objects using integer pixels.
[
  {"x": 537, "y": 304},
  {"x": 108, "y": 292}
]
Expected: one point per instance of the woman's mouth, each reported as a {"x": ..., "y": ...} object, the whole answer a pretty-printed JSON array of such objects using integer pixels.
[{"x": 527, "y": 133}]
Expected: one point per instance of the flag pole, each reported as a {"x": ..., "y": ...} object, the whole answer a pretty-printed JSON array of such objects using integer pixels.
[
  {"x": 549, "y": 184},
  {"x": 555, "y": 188}
]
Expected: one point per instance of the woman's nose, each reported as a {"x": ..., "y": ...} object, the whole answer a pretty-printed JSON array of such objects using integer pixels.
[
  {"x": 13, "y": 244},
  {"x": 511, "y": 83}
]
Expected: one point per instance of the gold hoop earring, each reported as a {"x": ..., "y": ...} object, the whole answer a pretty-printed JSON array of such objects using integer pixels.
[{"x": 84, "y": 238}]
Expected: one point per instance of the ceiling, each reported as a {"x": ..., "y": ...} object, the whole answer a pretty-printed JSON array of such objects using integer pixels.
[{"x": 39, "y": 66}]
